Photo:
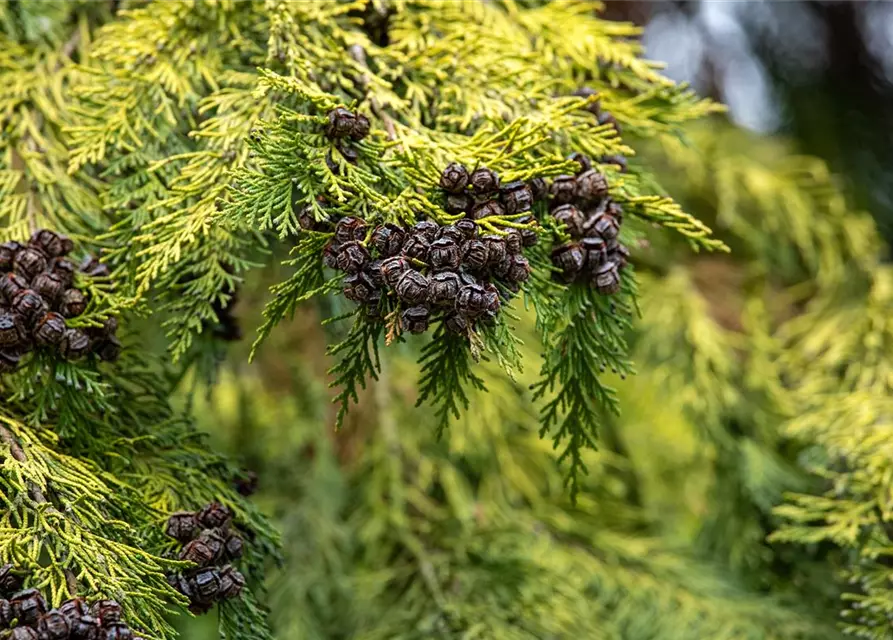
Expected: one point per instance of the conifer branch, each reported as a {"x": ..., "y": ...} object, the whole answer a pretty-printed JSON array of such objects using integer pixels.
[
  {"x": 38, "y": 497},
  {"x": 589, "y": 340},
  {"x": 447, "y": 375},
  {"x": 358, "y": 360},
  {"x": 187, "y": 141},
  {"x": 93, "y": 558}
]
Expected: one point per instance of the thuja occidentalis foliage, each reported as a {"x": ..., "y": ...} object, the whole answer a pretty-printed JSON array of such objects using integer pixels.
[
  {"x": 186, "y": 142},
  {"x": 415, "y": 162}
]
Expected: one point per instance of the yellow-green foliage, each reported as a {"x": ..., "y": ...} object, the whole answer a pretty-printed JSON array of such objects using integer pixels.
[
  {"x": 93, "y": 457},
  {"x": 198, "y": 126},
  {"x": 805, "y": 369},
  {"x": 183, "y": 136},
  {"x": 752, "y": 375},
  {"x": 842, "y": 351},
  {"x": 205, "y": 131}
]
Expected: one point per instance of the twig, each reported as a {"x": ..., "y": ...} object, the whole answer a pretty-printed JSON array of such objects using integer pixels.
[
  {"x": 19, "y": 454},
  {"x": 359, "y": 54},
  {"x": 69, "y": 47},
  {"x": 393, "y": 323},
  {"x": 37, "y": 495},
  {"x": 13, "y": 444}
]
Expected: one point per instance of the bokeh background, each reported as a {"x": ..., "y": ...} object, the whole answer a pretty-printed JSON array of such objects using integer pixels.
[
  {"x": 390, "y": 533},
  {"x": 818, "y": 73}
]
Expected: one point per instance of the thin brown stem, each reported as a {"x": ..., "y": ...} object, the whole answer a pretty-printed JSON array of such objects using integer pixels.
[
  {"x": 69, "y": 47},
  {"x": 13, "y": 444},
  {"x": 36, "y": 494},
  {"x": 359, "y": 54}
]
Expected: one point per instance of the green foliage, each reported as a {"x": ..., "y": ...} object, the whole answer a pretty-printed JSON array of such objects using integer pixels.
[
  {"x": 735, "y": 476},
  {"x": 784, "y": 210},
  {"x": 79, "y": 531},
  {"x": 844, "y": 394},
  {"x": 358, "y": 359},
  {"x": 164, "y": 120},
  {"x": 36, "y": 74},
  {"x": 474, "y": 536},
  {"x": 789, "y": 375},
  {"x": 589, "y": 340},
  {"x": 447, "y": 369},
  {"x": 428, "y": 109},
  {"x": 94, "y": 463},
  {"x": 94, "y": 457}
]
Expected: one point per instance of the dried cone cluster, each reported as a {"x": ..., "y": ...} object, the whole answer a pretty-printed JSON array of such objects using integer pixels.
[
  {"x": 446, "y": 271},
  {"x": 481, "y": 194},
  {"x": 581, "y": 204},
  {"x": 73, "y": 620},
  {"x": 210, "y": 544},
  {"x": 37, "y": 296}
]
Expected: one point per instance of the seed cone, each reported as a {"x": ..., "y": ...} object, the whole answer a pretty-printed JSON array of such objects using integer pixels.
[
  {"x": 582, "y": 206},
  {"x": 38, "y": 296}
]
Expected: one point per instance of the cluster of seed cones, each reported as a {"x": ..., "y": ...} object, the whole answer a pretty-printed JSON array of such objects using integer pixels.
[
  {"x": 581, "y": 204},
  {"x": 432, "y": 271},
  {"x": 456, "y": 274},
  {"x": 24, "y": 615},
  {"x": 480, "y": 194},
  {"x": 37, "y": 296},
  {"x": 211, "y": 545},
  {"x": 447, "y": 271}
]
